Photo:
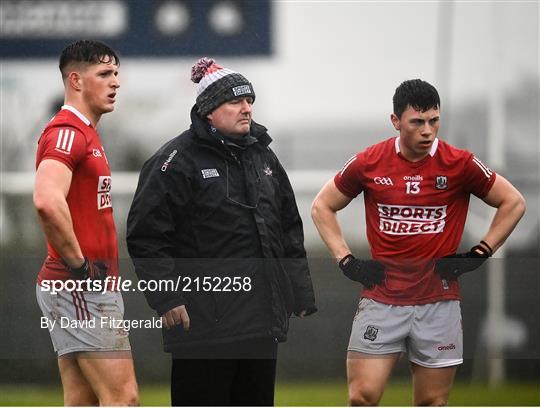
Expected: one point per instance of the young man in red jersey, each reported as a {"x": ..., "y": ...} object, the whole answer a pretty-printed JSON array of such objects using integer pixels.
[
  {"x": 416, "y": 192},
  {"x": 72, "y": 198}
]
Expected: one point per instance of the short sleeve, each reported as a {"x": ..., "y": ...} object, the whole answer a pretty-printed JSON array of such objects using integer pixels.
[
  {"x": 65, "y": 144},
  {"x": 479, "y": 177},
  {"x": 348, "y": 180}
]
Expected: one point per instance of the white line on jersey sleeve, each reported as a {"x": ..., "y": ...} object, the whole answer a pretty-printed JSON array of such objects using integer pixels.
[
  {"x": 349, "y": 162},
  {"x": 59, "y": 141},
  {"x": 71, "y": 137},
  {"x": 64, "y": 142},
  {"x": 483, "y": 167}
]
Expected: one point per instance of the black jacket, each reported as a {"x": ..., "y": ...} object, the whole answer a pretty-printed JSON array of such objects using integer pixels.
[{"x": 206, "y": 207}]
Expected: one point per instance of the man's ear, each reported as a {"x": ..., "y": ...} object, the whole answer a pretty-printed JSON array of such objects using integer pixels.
[
  {"x": 74, "y": 80},
  {"x": 395, "y": 121}
]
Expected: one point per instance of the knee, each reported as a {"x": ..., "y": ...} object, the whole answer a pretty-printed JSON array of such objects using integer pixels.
[
  {"x": 128, "y": 396},
  {"x": 363, "y": 397},
  {"x": 132, "y": 398}
]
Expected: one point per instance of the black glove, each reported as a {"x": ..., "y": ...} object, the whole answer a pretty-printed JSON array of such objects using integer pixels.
[
  {"x": 368, "y": 272},
  {"x": 452, "y": 266},
  {"x": 94, "y": 270}
]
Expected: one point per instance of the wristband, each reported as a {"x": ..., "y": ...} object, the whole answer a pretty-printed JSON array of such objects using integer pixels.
[{"x": 487, "y": 246}]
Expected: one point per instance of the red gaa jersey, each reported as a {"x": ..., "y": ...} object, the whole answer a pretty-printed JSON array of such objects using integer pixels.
[
  {"x": 70, "y": 138},
  {"x": 415, "y": 213}
]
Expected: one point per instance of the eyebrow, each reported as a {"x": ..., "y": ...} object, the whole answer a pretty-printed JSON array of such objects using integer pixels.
[
  {"x": 423, "y": 120},
  {"x": 107, "y": 69}
]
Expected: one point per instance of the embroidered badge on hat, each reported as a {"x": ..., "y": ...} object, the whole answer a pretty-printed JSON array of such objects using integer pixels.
[{"x": 241, "y": 90}]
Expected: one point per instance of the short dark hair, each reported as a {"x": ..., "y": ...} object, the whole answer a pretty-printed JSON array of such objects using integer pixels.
[
  {"x": 86, "y": 52},
  {"x": 418, "y": 94}
]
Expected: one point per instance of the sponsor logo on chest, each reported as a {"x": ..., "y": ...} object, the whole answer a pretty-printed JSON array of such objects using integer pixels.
[
  {"x": 411, "y": 219},
  {"x": 104, "y": 192}
]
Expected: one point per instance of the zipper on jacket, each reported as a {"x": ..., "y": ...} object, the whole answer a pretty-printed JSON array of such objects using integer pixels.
[{"x": 231, "y": 153}]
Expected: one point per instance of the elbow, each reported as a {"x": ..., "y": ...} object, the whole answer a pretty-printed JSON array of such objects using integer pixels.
[
  {"x": 43, "y": 205},
  {"x": 321, "y": 211},
  {"x": 315, "y": 210},
  {"x": 514, "y": 206},
  {"x": 520, "y": 205}
]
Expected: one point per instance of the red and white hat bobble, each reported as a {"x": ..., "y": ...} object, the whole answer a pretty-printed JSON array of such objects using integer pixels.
[{"x": 206, "y": 72}]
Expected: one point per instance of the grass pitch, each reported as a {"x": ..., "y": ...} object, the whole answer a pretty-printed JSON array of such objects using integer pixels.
[{"x": 304, "y": 394}]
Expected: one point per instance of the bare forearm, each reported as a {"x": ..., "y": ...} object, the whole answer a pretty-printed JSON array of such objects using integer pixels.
[
  {"x": 328, "y": 226},
  {"x": 324, "y": 213},
  {"x": 505, "y": 220},
  {"x": 57, "y": 225}
]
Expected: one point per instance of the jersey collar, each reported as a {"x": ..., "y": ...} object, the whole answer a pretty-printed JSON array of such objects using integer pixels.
[
  {"x": 77, "y": 113},
  {"x": 431, "y": 152}
]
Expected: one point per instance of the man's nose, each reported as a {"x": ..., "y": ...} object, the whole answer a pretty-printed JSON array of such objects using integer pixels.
[
  {"x": 116, "y": 82},
  {"x": 246, "y": 106},
  {"x": 427, "y": 129}
]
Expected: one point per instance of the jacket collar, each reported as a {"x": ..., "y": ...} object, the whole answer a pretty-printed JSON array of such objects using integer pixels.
[{"x": 202, "y": 131}]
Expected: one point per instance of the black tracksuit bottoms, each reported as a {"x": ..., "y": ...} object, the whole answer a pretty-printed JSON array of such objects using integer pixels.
[{"x": 223, "y": 381}]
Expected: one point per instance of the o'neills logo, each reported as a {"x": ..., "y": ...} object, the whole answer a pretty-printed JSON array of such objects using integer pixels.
[
  {"x": 411, "y": 219},
  {"x": 413, "y": 178},
  {"x": 449, "y": 347},
  {"x": 169, "y": 159}
]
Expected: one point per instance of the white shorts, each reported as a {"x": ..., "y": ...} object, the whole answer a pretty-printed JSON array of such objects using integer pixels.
[
  {"x": 83, "y": 321},
  {"x": 431, "y": 334}
]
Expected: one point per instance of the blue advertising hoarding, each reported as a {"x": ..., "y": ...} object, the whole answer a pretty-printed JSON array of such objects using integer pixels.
[{"x": 137, "y": 28}]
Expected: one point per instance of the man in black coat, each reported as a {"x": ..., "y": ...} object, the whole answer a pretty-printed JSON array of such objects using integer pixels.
[{"x": 214, "y": 215}]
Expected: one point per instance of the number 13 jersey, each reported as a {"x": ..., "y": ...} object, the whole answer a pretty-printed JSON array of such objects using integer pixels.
[{"x": 415, "y": 213}]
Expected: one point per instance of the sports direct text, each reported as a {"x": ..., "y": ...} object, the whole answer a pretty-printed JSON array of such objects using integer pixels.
[
  {"x": 181, "y": 283},
  {"x": 411, "y": 219}
]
